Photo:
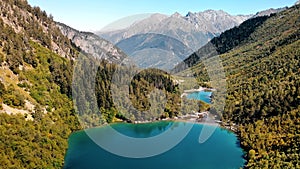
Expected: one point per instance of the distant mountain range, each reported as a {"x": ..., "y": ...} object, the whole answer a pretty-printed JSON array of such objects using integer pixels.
[
  {"x": 141, "y": 41},
  {"x": 194, "y": 29},
  {"x": 158, "y": 41},
  {"x": 228, "y": 40}
]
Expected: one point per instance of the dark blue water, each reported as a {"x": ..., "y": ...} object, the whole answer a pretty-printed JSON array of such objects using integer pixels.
[
  {"x": 220, "y": 151},
  {"x": 202, "y": 95}
]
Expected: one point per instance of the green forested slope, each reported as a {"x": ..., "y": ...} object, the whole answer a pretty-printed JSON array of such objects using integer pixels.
[
  {"x": 42, "y": 141},
  {"x": 36, "y": 112},
  {"x": 114, "y": 97},
  {"x": 263, "y": 90}
]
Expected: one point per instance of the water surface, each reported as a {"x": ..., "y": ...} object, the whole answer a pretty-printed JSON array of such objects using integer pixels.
[
  {"x": 202, "y": 95},
  {"x": 220, "y": 151}
]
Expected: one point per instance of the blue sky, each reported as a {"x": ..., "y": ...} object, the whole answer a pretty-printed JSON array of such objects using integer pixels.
[{"x": 92, "y": 15}]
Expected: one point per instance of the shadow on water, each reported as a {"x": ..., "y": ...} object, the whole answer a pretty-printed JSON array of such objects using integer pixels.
[{"x": 143, "y": 130}]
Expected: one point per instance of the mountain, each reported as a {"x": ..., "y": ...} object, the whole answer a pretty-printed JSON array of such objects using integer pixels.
[
  {"x": 92, "y": 44},
  {"x": 154, "y": 50},
  {"x": 194, "y": 29},
  {"x": 214, "y": 21},
  {"x": 223, "y": 43},
  {"x": 229, "y": 39},
  {"x": 261, "y": 61},
  {"x": 118, "y": 35}
]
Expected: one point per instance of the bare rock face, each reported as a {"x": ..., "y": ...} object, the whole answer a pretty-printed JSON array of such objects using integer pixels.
[
  {"x": 214, "y": 21},
  {"x": 92, "y": 44}
]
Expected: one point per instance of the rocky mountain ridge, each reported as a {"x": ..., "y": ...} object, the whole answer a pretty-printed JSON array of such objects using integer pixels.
[
  {"x": 194, "y": 29},
  {"x": 268, "y": 12},
  {"x": 92, "y": 44}
]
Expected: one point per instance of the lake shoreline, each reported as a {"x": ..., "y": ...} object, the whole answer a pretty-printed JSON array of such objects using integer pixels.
[
  {"x": 220, "y": 124},
  {"x": 193, "y": 117}
]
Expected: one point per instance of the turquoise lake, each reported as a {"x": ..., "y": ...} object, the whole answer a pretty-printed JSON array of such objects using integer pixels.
[
  {"x": 202, "y": 95},
  {"x": 220, "y": 151}
]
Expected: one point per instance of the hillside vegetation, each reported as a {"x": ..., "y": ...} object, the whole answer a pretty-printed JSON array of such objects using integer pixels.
[
  {"x": 37, "y": 113},
  {"x": 263, "y": 87}
]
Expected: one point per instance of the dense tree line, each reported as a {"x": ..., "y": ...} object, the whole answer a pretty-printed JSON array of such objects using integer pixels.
[
  {"x": 99, "y": 100},
  {"x": 145, "y": 81}
]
